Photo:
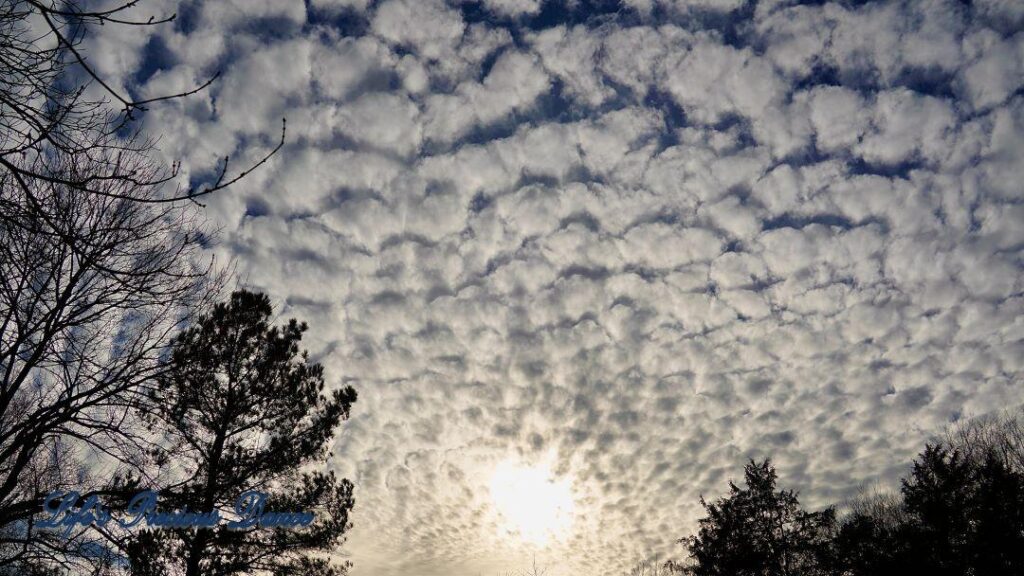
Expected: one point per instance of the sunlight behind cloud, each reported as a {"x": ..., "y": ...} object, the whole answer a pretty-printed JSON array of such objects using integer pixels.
[{"x": 533, "y": 505}]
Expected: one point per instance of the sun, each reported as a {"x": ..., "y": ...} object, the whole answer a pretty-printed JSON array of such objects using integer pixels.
[{"x": 532, "y": 504}]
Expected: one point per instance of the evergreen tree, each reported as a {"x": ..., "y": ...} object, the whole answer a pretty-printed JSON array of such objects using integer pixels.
[
  {"x": 868, "y": 545},
  {"x": 761, "y": 531},
  {"x": 999, "y": 509},
  {"x": 959, "y": 516},
  {"x": 938, "y": 495},
  {"x": 245, "y": 410},
  {"x": 968, "y": 514}
]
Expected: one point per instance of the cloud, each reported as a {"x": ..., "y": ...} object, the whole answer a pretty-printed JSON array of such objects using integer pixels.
[
  {"x": 430, "y": 29},
  {"x": 513, "y": 7},
  {"x": 648, "y": 244},
  {"x": 512, "y": 85}
]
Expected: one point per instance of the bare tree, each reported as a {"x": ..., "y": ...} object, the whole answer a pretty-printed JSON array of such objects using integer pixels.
[
  {"x": 999, "y": 434},
  {"x": 655, "y": 568},
  {"x": 47, "y": 114},
  {"x": 91, "y": 289},
  {"x": 97, "y": 263},
  {"x": 884, "y": 505}
]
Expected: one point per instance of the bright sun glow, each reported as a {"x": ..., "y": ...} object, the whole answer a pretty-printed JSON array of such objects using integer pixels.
[{"x": 533, "y": 505}]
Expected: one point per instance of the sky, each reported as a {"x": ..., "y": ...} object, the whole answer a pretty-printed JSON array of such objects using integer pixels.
[{"x": 583, "y": 260}]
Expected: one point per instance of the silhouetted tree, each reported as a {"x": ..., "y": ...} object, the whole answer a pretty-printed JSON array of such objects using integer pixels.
[
  {"x": 1000, "y": 435},
  {"x": 55, "y": 105},
  {"x": 244, "y": 409},
  {"x": 999, "y": 511},
  {"x": 960, "y": 512},
  {"x": 96, "y": 267},
  {"x": 873, "y": 539},
  {"x": 761, "y": 531},
  {"x": 864, "y": 546},
  {"x": 655, "y": 568},
  {"x": 91, "y": 290},
  {"x": 938, "y": 495},
  {"x": 958, "y": 516},
  {"x": 968, "y": 516}
]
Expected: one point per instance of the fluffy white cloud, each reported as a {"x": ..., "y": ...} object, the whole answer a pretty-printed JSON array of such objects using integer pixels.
[
  {"x": 513, "y": 7},
  {"x": 998, "y": 64},
  {"x": 512, "y": 85},
  {"x": 907, "y": 126},
  {"x": 712, "y": 79},
  {"x": 839, "y": 116},
  {"x": 429, "y": 28}
]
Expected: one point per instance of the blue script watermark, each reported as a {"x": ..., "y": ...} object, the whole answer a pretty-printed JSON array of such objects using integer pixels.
[{"x": 66, "y": 510}]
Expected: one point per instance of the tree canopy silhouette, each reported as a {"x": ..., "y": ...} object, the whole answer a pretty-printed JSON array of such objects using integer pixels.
[
  {"x": 244, "y": 409},
  {"x": 91, "y": 289},
  {"x": 960, "y": 512},
  {"x": 760, "y": 531},
  {"x": 56, "y": 105},
  {"x": 960, "y": 516},
  {"x": 98, "y": 253}
]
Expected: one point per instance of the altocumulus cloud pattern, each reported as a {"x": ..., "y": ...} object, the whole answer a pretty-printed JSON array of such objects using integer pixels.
[{"x": 640, "y": 242}]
